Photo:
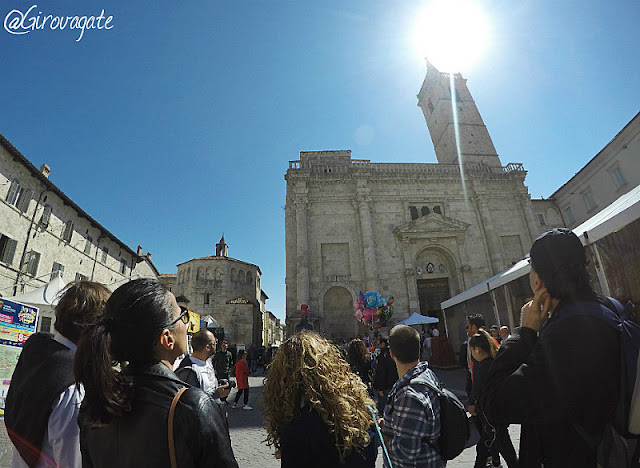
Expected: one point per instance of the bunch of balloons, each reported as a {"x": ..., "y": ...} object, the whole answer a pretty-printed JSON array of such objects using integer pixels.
[{"x": 372, "y": 309}]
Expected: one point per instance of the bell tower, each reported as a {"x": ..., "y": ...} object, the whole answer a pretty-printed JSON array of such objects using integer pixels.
[
  {"x": 435, "y": 100},
  {"x": 222, "y": 249}
]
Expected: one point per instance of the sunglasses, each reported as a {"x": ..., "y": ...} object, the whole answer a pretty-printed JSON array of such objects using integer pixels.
[{"x": 184, "y": 316}]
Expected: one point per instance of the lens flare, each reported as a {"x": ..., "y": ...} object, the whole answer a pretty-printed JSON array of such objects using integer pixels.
[{"x": 452, "y": 34}]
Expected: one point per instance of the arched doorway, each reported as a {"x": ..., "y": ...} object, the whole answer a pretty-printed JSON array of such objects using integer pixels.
[
  {"x": 436, "y": 278},
  {"x": 339, "y": 322}
]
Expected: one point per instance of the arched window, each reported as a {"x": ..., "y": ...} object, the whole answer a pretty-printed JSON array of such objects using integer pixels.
[
  {"x": 209, "y": 273},
  {"x": 200, "y": 273},
  {"x": 425, "y": 210},
  {"x": 241, "y": 277},
  {"x": 249, "y": 277},
  {"x": 414, "y": 212}
]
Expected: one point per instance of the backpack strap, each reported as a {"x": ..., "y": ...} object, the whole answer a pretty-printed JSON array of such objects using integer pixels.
[
  {"x": 439, "y": 393},
  {"x": 172, "y": 412}
]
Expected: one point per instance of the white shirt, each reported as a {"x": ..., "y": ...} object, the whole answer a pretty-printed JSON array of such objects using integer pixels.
[
  {"x": 206, "y": 375},
  {"x": 61, "y": 442}
]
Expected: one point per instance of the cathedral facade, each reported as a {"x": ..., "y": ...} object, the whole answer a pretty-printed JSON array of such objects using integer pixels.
[{"x": 419, "y": 232}]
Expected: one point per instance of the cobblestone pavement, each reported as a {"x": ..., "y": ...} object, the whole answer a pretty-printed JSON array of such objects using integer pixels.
[{"x": 248, "y": 434}]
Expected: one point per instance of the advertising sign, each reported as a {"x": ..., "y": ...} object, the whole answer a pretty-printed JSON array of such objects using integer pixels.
[
  {"x": 17, "y": 323},
  {"x": 194, "y": 323}
]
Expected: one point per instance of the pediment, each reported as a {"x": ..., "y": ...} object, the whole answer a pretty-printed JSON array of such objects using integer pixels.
[{"x": 432, "y": 223}]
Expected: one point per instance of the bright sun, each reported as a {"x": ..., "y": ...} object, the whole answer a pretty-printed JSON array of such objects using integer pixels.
[{"x": 452, "y": 34}]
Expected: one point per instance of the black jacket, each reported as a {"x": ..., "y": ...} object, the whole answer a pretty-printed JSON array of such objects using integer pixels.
[
  {"x": 306, "y": 442},
  {"x": 386, "y": 372},
  {"x": 567, "y": 376},
  {"x": 139, "y": 438},
  {"x": 43, "y": 372}
]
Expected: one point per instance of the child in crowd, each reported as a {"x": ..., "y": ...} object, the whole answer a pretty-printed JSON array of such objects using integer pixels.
[
  {"x": 242, "y": 379},
  {"x": 494, "y": 440}
]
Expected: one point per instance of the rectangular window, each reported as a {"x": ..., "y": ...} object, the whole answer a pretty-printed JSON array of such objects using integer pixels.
[
  {"x": 87, "y": 245},
  {"x": 57, "y": 269},
  {"x": 68, "y": 231},
  {"x": 618, "y": 178},
  {"x": 541, "y": 219},
  {"x": 105, "y": 252},
  {"x": 589, "y": 201},
  {"x": 123, "y": 266},
  {"x": 45, "y": 324},
  {"x": 46, "y": 215},
  {"x": 568, "y": 214},
  {"x": 31, "y": 262},
  {"x": 7, "y": 249},
  {"x": 207, "y": 298},
  {"x": 81, "y": 277},
  {"x": 24, "y": 200},
  {"x": 14, "y": 192}
]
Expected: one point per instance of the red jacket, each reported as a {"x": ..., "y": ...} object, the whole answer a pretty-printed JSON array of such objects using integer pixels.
[{"x": 242, "y": 374}]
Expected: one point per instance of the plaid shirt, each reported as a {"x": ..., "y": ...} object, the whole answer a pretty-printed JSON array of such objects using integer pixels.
[{"x": 412, "y": 415}]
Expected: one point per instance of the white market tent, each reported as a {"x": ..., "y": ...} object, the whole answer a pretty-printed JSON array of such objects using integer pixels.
[
  {"x": 45, "y": 297},
  {"x": 614, "y": 217},
  {"x": 417, "y": 319}
]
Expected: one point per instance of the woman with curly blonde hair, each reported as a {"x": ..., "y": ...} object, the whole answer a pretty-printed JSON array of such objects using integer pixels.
[{"x": 317, "y": 410}]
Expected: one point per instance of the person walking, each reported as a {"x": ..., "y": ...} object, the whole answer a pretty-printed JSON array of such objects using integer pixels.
[
  {"x": 242, "y": 379},
  {"x": 222, "y": 360},
  {"x": 123, "y": 417}
]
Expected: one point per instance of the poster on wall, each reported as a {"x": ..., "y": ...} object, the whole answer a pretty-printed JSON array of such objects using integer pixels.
[{"x": 17, "y": 323}]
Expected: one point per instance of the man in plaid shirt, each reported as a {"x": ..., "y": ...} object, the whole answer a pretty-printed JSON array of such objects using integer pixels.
[{"x": 412, "y": 415}]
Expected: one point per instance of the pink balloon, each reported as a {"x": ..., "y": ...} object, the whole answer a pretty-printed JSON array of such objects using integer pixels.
[{"x": 368, "y": 313}]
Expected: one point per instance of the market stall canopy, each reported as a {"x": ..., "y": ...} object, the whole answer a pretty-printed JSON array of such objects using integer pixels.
[
  {"x": 209, "y": 322},
  {"x": 417, "y": 319},
  {"x": 614, "y": 217},
  {"x": 47, "y": 295}
]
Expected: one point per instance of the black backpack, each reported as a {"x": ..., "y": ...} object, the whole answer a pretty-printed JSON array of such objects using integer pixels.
[{"x": 454, "y": 423}]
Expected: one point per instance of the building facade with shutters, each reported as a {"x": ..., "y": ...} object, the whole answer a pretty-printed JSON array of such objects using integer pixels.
[
  {"x": 44, "y": 233},
  {"x": 419, "y": 232},
  {"x": 611, "y": 173}
]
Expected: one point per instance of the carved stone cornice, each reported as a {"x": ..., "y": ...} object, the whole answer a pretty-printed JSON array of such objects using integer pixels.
[{"x": 431, "y": 226}]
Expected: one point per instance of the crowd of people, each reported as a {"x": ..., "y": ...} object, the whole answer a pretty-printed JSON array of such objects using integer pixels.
[{"x": 103, "y": 386}]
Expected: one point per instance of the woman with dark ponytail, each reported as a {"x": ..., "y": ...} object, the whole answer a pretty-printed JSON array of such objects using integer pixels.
[
  {"x": 124, "y": 414},
  {"x": 494, "y": 439}
]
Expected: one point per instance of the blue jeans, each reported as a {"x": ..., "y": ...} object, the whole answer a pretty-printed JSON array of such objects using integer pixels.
[{"x": 382, "y": 401}]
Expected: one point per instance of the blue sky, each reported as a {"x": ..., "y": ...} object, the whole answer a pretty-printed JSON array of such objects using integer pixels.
[{"x": 177, "y": 124}]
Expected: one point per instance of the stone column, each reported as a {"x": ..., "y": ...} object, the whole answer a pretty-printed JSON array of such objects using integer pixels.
[
  {"x": 410, "y": 277},
  {"x": 530, "y": 219},
  {"x": 368, "y": 245},
  {"x": 302, "y": 250},
  {"x": 491, "y": 238}
]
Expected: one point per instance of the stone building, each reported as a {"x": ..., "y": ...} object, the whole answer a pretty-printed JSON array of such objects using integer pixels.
[
  {"x": 611, "y": 173},
  {"x": 419, "y": 232},
  {"x": 226, "y": 289},
  {"x": 273, "y": 330},
  {"x": 43, "y": 233}
]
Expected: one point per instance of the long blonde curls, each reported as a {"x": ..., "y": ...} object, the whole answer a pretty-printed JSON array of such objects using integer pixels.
[{"x": 308, "y": 367}]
